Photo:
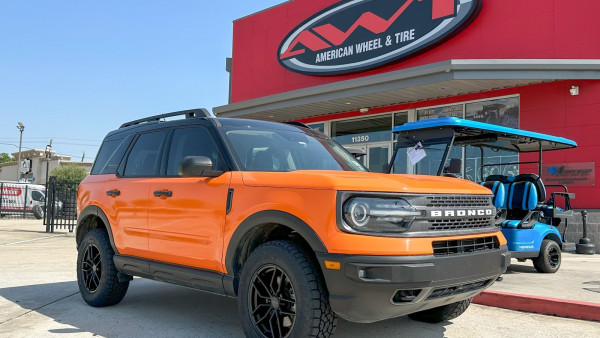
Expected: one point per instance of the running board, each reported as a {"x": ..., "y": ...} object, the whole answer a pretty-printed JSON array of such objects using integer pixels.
[{"x": 200, "y": 279}]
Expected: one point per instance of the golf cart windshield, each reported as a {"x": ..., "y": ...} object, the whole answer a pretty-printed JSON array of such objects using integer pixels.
[{"x": 467, "y": 149}]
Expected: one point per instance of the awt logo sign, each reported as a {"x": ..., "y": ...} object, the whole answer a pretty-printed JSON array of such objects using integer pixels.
[{"x": 362, "y": 34}]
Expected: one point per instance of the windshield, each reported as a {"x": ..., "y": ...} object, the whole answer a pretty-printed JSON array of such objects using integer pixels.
[
  {"x": 284, "y": 150},
  {"x": 463, "y": 160},
  {"x": 421, "y": 152}
]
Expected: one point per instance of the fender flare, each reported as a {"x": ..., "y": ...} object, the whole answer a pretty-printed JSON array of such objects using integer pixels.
[
  {"x": 267, "y": 217},
  {"x": 554, "y": 235},
  {"x": 93, "y": 210}
]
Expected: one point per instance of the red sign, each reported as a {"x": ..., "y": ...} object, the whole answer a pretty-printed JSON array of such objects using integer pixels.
[
  {"x": 11, "y": 191},
  {"x": 358, "y": 35},
  {"x": 570, "y": 174}
]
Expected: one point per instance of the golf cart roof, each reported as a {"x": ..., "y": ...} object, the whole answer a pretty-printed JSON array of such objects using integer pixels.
[{"x": 479, "y": 133}]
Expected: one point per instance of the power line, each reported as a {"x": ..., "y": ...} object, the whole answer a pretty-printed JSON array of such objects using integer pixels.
[{"x": 57, "y": 154}]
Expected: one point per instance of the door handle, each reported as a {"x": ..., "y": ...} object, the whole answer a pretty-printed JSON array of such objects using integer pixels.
[
  {"x": 163, "y": 193},
  {"x": 113, "y": 193}
]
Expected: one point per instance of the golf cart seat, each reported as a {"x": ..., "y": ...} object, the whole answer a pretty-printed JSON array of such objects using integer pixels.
[
  {"x": 537, "y": 183},
  {"x": 498, "y": 191},
  {"x": 505, "y": 181},
  {"x": 520, "y": 201}
]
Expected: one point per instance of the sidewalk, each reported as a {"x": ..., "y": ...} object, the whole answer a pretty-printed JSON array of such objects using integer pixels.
[{"x": 573, "y": 291}]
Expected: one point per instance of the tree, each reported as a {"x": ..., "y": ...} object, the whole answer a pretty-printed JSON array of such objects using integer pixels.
[
  {"x": 71, "y": 173},
  {"x": 4, "y": 157}
]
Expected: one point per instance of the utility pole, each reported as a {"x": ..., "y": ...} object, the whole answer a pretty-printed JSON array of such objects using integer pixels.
[
  {"x": 21, "y": 127},
  {"x": 83, "y": 156}
]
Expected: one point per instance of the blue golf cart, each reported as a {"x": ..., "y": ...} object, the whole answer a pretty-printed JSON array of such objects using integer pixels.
[{"x": 506, "y": 160}]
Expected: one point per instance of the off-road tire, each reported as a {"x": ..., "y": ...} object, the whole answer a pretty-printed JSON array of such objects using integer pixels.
[
  {"x": 442, "y": 313},
  {"x": 106, "y": 290},
  {"x": 550, "y": 257},
  {"x": 313, "y": 314}
]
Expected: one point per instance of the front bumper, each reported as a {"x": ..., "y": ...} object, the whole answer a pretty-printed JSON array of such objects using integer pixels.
[{"x": 372, "y": 288}]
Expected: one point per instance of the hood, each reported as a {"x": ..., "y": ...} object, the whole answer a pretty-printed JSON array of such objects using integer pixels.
[{"x": 362, "y": 181}]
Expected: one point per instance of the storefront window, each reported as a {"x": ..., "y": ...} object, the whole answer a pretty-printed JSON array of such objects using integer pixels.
[
  {"x": 365, "y": 130},
  {"x": 320, "y": 127},
  {"x": 437, "y": 112},
  {"x": 504, "y": 112}
]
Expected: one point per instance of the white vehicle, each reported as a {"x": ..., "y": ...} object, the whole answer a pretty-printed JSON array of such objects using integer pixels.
[{"x": 18, "y": 196}]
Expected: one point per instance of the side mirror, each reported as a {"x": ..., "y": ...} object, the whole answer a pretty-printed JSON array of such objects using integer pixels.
[{"x": 197, "y": 166}]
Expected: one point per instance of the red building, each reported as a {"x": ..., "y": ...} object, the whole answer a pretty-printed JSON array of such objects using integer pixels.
[{"x": 356, "y": 68}]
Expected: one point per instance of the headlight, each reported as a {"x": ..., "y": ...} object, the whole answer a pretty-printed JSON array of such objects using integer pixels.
[{"x": 368, "y": 214}]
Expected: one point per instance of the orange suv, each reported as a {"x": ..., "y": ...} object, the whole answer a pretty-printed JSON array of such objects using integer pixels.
[{"x": 283, "y": 218}]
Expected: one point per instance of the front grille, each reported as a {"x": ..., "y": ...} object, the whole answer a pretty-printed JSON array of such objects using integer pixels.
[
  {"x": 458, "y": 201},
  {"x": 463, "y": 246},
  {"x": 456, "y": 224},
  {"x": 458, "y": 289}
]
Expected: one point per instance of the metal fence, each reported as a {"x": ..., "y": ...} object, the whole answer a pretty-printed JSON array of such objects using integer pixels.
[{"x": 61, "y": 205}]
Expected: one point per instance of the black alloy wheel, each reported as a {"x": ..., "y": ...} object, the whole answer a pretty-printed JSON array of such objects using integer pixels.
[
  {"x": 550, "y": 257},
  {"x": 282, "y": 293},
  {"x": 554, "y": 257},
  {"x": 272, "y": 302},
  {"x": 91, "y": 267},
  {"x": 97, "y": 276}
]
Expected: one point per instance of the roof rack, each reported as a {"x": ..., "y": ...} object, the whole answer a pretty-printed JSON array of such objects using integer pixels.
[{"x": 191, "y": 113}]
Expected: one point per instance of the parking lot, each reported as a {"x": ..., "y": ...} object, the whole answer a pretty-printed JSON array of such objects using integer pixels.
[{"x": 39, "y": 297}]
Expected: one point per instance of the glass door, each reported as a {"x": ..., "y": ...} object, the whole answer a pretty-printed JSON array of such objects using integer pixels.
[{"x": 378, "y": 156}]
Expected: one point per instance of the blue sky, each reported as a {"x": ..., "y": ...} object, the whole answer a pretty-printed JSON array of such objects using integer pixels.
[{"x": 75, "y": 70}]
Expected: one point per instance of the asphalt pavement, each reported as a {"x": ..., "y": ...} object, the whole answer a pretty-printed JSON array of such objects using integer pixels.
[{"x": 39, "y": 298}]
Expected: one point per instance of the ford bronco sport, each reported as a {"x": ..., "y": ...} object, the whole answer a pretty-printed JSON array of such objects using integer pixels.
[{"x": 283, "y": 218}]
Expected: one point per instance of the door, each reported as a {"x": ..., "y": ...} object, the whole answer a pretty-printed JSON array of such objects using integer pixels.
[
  {"x": 126, "y": 198},
  {"x": 378, "y": 156},
  {"x": 187, "y": 214}
]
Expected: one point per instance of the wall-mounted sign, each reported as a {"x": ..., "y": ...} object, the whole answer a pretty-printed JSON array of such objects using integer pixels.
[
  {"x": 25, "y": 166},
  {"x": 357, "y": 35},
  {"x": 570, "y": 174}
]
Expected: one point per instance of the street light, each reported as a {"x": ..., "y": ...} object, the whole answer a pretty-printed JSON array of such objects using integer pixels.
[
  {"x": 21, "y": 127},
  {"x": 48, "y": 156}
]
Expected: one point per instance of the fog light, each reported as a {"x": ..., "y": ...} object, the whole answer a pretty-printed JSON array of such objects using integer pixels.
[{"x": 405, "y": 296}]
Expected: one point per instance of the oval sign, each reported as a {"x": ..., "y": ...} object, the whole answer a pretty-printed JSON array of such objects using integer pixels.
[{"x": 363, "y": 34}]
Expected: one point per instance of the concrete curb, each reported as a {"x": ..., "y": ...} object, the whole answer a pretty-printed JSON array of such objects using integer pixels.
[{"x": 542, "y": 305}]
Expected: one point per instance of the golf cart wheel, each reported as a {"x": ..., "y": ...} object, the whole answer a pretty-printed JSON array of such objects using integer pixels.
[
  {"x": 282, "y": 294},
  {"x": 550, "y": 257},
  {"x": 442, "y": 313},
  {"x": 97, "y": 277}
]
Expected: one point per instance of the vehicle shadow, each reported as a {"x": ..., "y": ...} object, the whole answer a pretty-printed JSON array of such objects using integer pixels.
[
  {"x": 516, "y": 268},
  {"x": 153, "y": 309}
]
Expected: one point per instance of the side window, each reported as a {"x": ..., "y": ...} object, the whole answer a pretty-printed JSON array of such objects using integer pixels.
[
  {"x": 194, "y": 141},
  {"x": 113, "y": 162},
  {"x": 105, "y": 152},
  {"x": 37, "y": 196},
  {"x": 144, "y": 158}
]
